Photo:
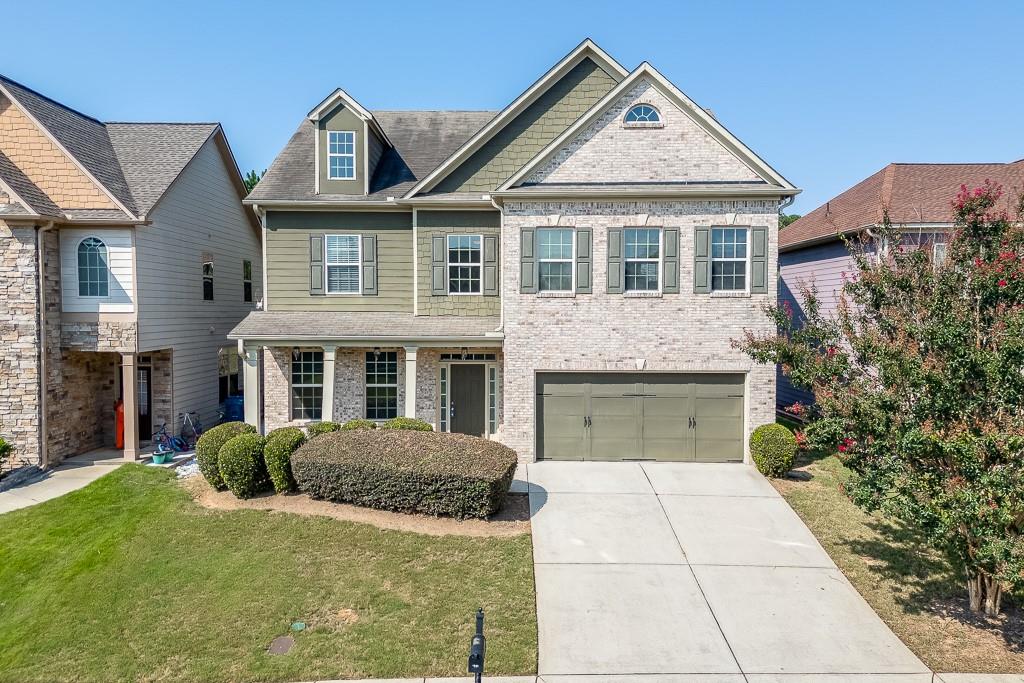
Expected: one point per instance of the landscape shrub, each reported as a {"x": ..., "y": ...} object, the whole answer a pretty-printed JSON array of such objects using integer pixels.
[
  {"x": 408, "y": 423},
  {"x": 407, "y": 471},
  {"x": 208, "y": 447},
  {"x": 242, "y": 466},
  {"x": 321, "y": 428},
  {"x": 773, "y": 448},
  {"x": 6, "y": 450},
  {"x": 359, "y": 423},
  {"x": 277, "y": 453}
]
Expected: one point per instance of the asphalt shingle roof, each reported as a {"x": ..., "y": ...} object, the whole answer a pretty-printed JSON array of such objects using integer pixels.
[
  {"x": 39, "y": 202},
  {"x": 337, "y": 325},
  {"x": 912, "y": 193},
  {"x": 422, "y": 140}
]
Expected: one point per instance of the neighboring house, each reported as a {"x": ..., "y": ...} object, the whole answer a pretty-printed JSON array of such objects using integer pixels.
[
  {"x": 917, "y": 198},
  {"x": 126, "y": 256},
  {"x": 565, "y": 275}
]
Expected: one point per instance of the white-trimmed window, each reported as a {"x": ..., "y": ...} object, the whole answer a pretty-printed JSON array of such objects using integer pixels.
[
  {"x": 341, "y": 154},
  {"x": 642, "y": 115},
  {"x": 343, "y": 264},
  {"x": 247, "y": 281},
  {"x": 93, "y": 268},
  {"x": 555, "y": 259},
  {"x": 465, "y": 263},
  {"x": 307, "y": 384},
  {"x": 643, "y": 259},
  {"x": 381, "y": 385},
  {"x": 729, "y": 255}
]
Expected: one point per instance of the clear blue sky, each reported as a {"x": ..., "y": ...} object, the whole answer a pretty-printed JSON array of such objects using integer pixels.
[{"x": 826, "y": 92}]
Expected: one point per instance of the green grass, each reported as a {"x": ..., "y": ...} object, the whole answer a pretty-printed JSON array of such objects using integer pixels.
[
  {"x": 912, "y": 587},
  {"x": 128, "y": 579}
]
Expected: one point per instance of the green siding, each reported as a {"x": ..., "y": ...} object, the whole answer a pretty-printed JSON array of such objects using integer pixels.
[
  {"x": 431, "y": 223},
  {"x": 338, "y": 220},
  {"x": 529, "y": 132},
  {"x": 342, "y": 118}
]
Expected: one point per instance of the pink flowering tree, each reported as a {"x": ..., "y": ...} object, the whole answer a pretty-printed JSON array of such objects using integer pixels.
[{"x": 919, "y": 385}]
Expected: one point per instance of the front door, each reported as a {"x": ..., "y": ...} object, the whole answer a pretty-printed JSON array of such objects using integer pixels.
[
  {"x": 466, "y": 405},
  {"x": 145, "y": 403}
]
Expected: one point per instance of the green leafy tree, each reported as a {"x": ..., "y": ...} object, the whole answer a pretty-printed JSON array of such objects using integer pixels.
[
  {"x": 919, "y": 386},
  {"x": 787, "y": 218},
  {"x": 251, "y": 178}
]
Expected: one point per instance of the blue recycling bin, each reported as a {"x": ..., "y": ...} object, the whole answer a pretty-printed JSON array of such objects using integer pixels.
[{"x": 234, "y": 409}]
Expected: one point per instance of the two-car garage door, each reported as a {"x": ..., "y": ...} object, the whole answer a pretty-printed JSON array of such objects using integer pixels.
[{"x": 643, "y": 416}]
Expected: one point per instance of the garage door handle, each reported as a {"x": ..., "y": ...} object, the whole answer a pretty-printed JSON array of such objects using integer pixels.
[{"x": 586, "y": 420}]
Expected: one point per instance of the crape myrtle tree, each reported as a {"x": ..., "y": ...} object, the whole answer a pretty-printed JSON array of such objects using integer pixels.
[{"x": 919, "y": 384}]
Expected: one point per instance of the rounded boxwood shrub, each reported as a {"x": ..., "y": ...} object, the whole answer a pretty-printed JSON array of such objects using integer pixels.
[
  {"x": 409, "y": 423},
  {"x": 242, "y": 467},
  {"x": 277, "y": 453},
  {"x": 322, "y": 428},
  {"x": 436, "y": 473},
  {"x": 359, "y": 423},
  {"x": 208, "y": 447},
  {"x": 773, "y": 448}
]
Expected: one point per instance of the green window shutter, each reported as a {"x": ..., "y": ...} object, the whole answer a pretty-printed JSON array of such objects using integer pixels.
[
  {"x": 527, "y": 262},
  {"x": 616, "y": 275},
  {"x": 438, "y": 263},
  {"x": 759, "y": 260},
  {"x": 369, "y": 265},
  {"x": 584, "y": 262},
  {"x": 702, "y": 261},
  {"x": 490, "y": 265},
  {"x": 316, "y": 264},
  {"x": 671, "y": 261}
]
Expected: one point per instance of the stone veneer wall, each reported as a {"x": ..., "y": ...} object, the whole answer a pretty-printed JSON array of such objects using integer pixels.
[
  {"x": 82, "y": 403},
  {"x": 683, "y": 332},
  {"x": 461, "y": 304},
  {"x": 163, "y": 392}
]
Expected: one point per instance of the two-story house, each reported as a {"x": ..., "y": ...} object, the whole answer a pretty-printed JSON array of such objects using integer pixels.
[
  {"x": 126, "y": 255},
  {"x": 565, "y": 275}
]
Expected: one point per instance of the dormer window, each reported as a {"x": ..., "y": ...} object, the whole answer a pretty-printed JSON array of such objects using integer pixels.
[
  {"x": 341, "y": 155},
  {"x": 642, "y": 116}
]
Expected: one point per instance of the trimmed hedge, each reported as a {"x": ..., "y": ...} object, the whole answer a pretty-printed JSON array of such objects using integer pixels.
[
  {"x": 409, "y": 423},
  {"x": 407, "y": 471},
  {"x": 277, "y": 453},
  {"x": 242, "y": 466},
  {"x": 773, "y": 448},
  {"x": 208, "y": 448},
  {"x": 321, "y": 428},
  {"x": 358, "y": 423}
]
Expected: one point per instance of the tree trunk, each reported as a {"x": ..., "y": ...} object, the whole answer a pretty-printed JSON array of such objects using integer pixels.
[{"x": 985, "y": 594}]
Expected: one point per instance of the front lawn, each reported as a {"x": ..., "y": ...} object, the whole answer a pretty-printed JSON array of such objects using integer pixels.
[
  {"x": 911, "y": 587},
  {"x": 128, "y": 579}
]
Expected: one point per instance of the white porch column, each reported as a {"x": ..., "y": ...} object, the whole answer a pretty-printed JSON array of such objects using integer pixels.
[
  {"x": 251, "y": 385},
  {"x": 130, "y": 404},
  {"x": 327, "y": 410},
  {"x": 410, "y": 380}
]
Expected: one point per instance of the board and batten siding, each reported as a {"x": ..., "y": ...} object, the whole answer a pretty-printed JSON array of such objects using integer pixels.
[
  {"x": 288, "y": 261},
  {"x": 118, "y": 242},
  {"x": 201, "y": 214}
]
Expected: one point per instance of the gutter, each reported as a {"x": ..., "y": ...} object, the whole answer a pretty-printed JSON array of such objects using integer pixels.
[
  {"x": 377, "y": 340},
  {"x": 501, "y": 263},
  {"x": 682, "y": 193},
  {"x": 41, "y": 284}
]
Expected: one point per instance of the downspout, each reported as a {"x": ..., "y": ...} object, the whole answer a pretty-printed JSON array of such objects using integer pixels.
[
  {"x": 501, "y": 262},
  {"x": 41, "y": 284}
]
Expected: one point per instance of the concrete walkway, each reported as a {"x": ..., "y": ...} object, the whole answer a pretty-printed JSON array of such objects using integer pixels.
[
  {"x": 693, "y": 572},
  {"x": 72, "y": 474}
]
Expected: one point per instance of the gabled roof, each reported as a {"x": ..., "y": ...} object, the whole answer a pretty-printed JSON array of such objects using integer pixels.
[
  {"x": 911, "y": 193},
  {"x": 699, "y": 115},
  {"x": 339, "y": 96},
  {"x": 585, "y": 50}
]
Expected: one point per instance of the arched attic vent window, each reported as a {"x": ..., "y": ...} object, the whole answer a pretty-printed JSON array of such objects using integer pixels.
[{"x": 642, "y": 116}]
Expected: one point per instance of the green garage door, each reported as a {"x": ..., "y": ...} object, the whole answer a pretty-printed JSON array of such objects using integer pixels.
[{"x": 643, "y": 416}]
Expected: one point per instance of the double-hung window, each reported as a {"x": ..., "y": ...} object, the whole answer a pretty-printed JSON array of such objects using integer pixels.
[
  {"x": 465, "y": 261},
  {"x": 555, "y": 259},
  {"x": 307, "y": 384},
  {"x": 643, "y": 259},
  {"x": 343, "y": 264},
  {"x": 341, "y": 155},
  {"x": 381, "y": 385},
  {"x": 729, "y": 259}
]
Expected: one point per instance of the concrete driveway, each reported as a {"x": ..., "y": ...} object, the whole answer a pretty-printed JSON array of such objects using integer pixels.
[{"x": 693, "y": 572}]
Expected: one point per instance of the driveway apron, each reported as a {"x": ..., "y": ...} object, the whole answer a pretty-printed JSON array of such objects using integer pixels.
[{"x": 691, "y": 572}]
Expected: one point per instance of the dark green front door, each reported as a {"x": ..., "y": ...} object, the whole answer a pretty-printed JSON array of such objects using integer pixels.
[
  {"x": 466, "y": 406},
  {"x": 640, "y": 416}
]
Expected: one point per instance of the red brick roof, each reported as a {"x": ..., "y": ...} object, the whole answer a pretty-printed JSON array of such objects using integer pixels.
[{"x": 913, "y": 193}]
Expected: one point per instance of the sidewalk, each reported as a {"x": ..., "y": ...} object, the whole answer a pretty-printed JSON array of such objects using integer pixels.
[{"x": 71, "y": 475}]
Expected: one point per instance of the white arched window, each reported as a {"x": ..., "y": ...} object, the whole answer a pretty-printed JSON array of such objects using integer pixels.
[
  {"x": 641, "y": 114},
  {"x": 93, "y": 268}
]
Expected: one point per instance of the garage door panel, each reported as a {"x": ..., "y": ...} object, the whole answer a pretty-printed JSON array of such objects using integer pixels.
[
  {"x": 562, "y": 431},
  {"x": 614, "y": 426},
  {"x": 719, "y": 428}
]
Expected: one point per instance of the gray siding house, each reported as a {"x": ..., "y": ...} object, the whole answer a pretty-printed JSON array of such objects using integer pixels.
[
  {"x": 565, "y": 275},
  {"x": 127, "y": 256}
]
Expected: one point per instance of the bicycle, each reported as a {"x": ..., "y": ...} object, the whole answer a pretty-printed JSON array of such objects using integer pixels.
[
  {"x": 167, "y": 442},
  {"x": 191, "y": 426}
]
